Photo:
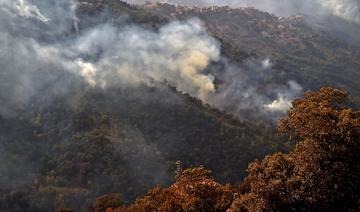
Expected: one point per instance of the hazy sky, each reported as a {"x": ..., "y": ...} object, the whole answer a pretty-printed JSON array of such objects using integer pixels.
[{"x": 347, "y": 9}]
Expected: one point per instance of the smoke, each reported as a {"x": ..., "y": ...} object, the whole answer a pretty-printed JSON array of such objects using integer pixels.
[
  {"x": 177, "y": 54},
  {"x": 253, "y": 89},
  {"x": 37, "y": 55},
  {"x": 283, "y": 103},
  {"x": 25, "y": 10},
  {"x": 44, "y": 60},
  {"x": 45, "y": 55},
  {"x": 346, "y": 9},
  {"x": 31, "y": 39}
]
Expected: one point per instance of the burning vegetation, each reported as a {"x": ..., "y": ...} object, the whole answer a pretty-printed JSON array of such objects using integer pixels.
[{"x": 107, "y": 106}]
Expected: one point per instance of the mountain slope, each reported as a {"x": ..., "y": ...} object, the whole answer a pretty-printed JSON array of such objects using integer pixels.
[
  {"x": 121, "y": 140},
  {"x": 313, "y": 57},
  {"x": 65, "y": 151}
]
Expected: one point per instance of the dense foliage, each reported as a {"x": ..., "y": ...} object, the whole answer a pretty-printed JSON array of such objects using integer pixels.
[
  {"x": 64, "y": 152},
  {"x": 194, "y": 190},
  {"x": 318, "y": 174},
  {"x": 125, "y": 140},
  {"x": 323, "y": 168}
]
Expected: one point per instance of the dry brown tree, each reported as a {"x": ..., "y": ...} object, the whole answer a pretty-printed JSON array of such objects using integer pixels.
[
  {"x": 194, "y": 190},
  {"x": 322, "y": 172}
]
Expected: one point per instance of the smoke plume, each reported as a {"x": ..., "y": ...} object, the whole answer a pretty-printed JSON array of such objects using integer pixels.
[
  {"x": 253, "y": 86},
  {"x": 177, "y": 54},
  {"x": 37, "y": 57},
  {"x": 347, "y": 9},
  {"x": 44, "y": 55}
]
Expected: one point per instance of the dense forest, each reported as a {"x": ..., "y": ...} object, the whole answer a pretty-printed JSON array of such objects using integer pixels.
[
  {"x": 321, "y": 171},
  {"x": 104, "y": 108},
  {"x": 116, "y": 142}
]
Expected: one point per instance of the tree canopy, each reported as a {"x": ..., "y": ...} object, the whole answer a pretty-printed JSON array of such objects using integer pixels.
[
  {"x": 319, "y": 173},
  {"x": 323, "y": 168}
]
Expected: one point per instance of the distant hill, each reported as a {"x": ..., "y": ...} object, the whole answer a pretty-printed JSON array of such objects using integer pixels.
[
  {"x": 66, "y": 152},
  {"x": 313, "y": 57}
]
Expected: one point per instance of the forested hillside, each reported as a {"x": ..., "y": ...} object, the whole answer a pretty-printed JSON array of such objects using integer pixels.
[
  {"x": 311, "y": 56},
  {"x": 73, "y": 138},
  {"x": 124, "y": 141},
  {"x": 320, "y": 171}
]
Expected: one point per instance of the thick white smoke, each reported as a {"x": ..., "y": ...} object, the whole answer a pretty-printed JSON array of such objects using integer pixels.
[
  {"x": 177, "y": 54},
  {"x": 32, "y": 49},
  {"x": 22, "y": 8},
  {"x": 37, "y": 55},
  {"x": 283, "y": 103}
]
